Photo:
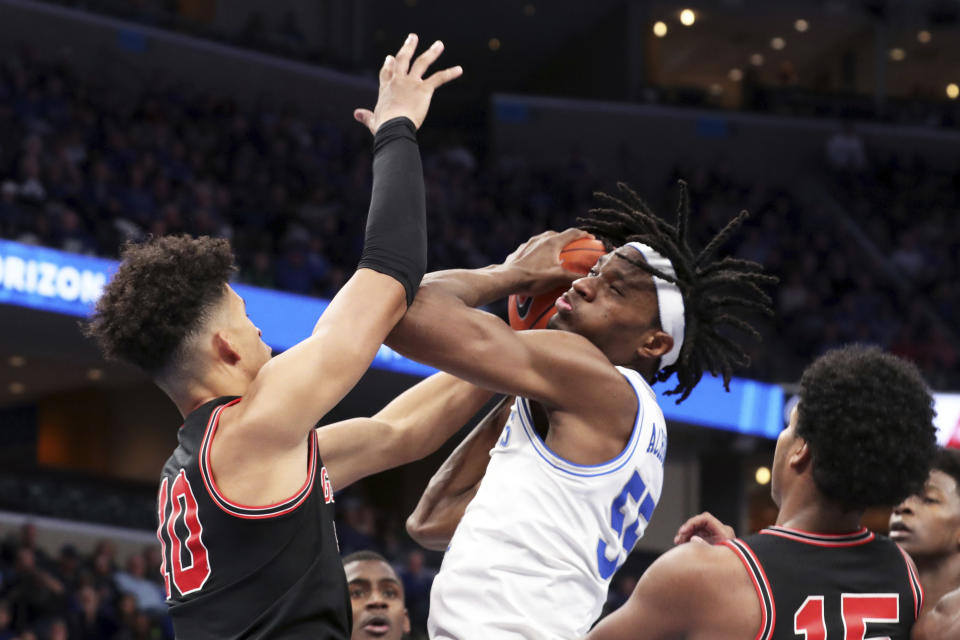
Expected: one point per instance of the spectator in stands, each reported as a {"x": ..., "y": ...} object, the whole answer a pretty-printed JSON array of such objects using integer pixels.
[
  {"x": 845, "y": 150},
  {"x": 33, "y": 592},
  {"x": 133, "y": 582},
  {"x": 89, "y": 621},
  {"x": 6, "y": 621},
  {"x": 417, "y": 580}
]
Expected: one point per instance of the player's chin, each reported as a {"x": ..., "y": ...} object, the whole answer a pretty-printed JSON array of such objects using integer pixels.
[{"x": 560, "y": 321}]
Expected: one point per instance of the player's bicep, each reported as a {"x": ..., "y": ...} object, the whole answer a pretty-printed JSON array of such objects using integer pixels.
[{"x": 293, "y": 391}]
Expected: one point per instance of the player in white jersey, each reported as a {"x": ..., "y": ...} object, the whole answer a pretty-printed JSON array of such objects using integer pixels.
[{"x": 576, "y": 471}]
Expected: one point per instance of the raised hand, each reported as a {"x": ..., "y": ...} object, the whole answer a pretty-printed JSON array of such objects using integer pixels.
[
  {"x": 705, "y": 528},
  {"x": 403, "y": 89},
  {"x": 539, "y": 259}
]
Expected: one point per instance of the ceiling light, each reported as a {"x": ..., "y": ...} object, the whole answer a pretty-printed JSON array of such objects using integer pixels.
[
  {"x": 801, "y": 25},
  {"x": 494, "y": 44},
  {"x": 660, "y": 28},
  {"x": 756, "y": 59},
  {"x": 736, "y": 75},
  {"x": 16, "y": 388},
  {"x": 897, "y": 54},
  {"x": 529, "y": 10},
  {"x": 778, "y": 43},
  {"x": 17, "y": 361},
  {"x": 762, "y": 475},
  {"x": 953, "y": 90},
  {"x": 688, "y": 17},
  {"x": 716, "y": 89},
  {"x": 94, "y": 374}
]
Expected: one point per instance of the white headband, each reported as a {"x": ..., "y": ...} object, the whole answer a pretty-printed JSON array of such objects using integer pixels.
[{"x": 669, "y": 300}]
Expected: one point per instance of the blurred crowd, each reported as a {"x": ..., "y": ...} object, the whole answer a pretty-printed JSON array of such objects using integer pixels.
[
  {"x": 83, "y": 169},
  {"x": 78, "y": 596}
]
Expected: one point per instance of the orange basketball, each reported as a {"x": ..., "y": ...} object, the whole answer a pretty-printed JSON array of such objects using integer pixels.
[{"x": 533, "y": 312}]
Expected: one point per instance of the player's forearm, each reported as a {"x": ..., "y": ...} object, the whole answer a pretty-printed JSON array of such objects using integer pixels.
[
  {"x": 454, "y": 484},
  {"x": 478, "y": 287},
  {"x": 396, "y": 236},
  {"x": 428, "y": 414}
]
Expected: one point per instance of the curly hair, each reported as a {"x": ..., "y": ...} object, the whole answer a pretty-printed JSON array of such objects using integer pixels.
[
  {"x": 867, "y": 417},
  {"x": 158, "y": 297},
  {"x": 713, "y": 290},
  {"x": 948, "y": 461}
]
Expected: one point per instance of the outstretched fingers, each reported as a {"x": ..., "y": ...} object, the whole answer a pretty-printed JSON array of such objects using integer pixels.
[
  {"x": 425, "y": 59},
  {"x": 386, "y": 71},
  {"x": 405, "y": 54},
  {"x": 441, "y": 78}
]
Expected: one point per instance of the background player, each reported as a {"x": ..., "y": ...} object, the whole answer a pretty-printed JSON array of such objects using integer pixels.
[
  {"x": 246, "y": 525},
  {"x": 578, "y": 469},
  {"x": 376, "y": 593},
  {"x": 927, "y": 526},
  {"x": 862, "y": 435}
]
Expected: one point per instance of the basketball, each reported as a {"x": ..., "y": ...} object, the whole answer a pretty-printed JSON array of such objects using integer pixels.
[{"x": 534, "y": 312}]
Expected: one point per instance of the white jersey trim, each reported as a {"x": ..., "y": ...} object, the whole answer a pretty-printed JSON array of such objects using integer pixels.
[{"x": 572, "y": 468}]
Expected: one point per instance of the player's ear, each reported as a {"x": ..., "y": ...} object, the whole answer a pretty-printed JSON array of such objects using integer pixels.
[
  {"x": 406, "y": 622},
  {"x": 800, "y": 455},
  {"x": 224, "y": 349},
  {"x": 655, "y": 344}
]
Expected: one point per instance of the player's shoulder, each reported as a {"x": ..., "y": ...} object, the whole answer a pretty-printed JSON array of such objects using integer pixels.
[
  {"x": 695, "y": 572},
  {"x": 702, "y": 565},
  {"x": 942, "y": 620}
]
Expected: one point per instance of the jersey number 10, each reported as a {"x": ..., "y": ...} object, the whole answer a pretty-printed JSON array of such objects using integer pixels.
[
  {"x": 858, "y": 610},
  {"x": 185, "y": 539}
]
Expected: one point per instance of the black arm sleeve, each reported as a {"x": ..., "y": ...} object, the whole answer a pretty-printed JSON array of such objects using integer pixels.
[{"x": 396, "y": 237}]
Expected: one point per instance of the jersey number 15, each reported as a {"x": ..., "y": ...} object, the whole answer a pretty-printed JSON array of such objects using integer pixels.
[{"x": 857, "y": 609}]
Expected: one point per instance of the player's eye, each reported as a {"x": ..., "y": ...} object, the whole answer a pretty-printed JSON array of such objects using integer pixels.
[
  {"x": 390, "y": 593},
  {"x": 593, "y": 272},
  {"x": 356, "y": 592}
]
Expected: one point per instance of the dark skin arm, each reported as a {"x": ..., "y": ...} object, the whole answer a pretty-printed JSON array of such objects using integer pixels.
[
  {"x": 589, "y": 423},
  {"x": 942, "y": 621},
  {"x": 455, "y": 483}
]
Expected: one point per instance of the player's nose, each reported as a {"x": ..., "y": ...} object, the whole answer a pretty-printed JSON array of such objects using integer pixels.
[
  {"x": 585, "y": 287},
  {"x": 904, "y": 507}
]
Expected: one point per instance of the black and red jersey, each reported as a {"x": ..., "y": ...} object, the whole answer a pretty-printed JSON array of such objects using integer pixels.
[
  {"x": 830, "y": 587},
  {"x": 238, "y": 571}
]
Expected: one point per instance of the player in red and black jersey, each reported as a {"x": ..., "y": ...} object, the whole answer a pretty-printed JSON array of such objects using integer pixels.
[
  {"x": 249, "y": 549},
  {"x": 862, "y": 435}
]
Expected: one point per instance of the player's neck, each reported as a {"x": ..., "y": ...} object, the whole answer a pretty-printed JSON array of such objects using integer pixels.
[
  {"x": 805, "y": 509},
  {"x": 939, "y": 575},
  {"x": 191, "y": 395}
]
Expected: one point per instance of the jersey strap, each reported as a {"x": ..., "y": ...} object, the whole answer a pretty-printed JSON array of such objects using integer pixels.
[
  {"x": 244, "y": 511},
  {"x": 915, "y": 585},
  {"x": 768, "y": 608}
]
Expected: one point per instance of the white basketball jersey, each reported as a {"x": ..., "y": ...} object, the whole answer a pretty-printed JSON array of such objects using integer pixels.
[{"x": 533, "y": 555}]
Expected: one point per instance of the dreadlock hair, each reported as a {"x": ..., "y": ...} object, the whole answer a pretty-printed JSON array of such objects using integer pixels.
[{"x": 712, "y": 290}]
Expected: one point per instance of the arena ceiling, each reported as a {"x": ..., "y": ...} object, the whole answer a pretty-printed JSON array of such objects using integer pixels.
[{"x": 583, "y": 48}]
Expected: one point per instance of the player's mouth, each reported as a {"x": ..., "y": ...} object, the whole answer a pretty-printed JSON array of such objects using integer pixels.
[
  {"x": 898, "y": 530},
  {"x": 563, "y": 304},
  {"x": 376, "y": 626}
]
